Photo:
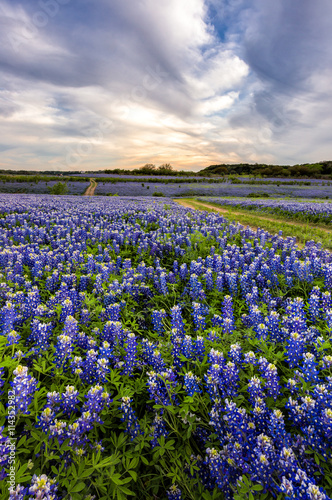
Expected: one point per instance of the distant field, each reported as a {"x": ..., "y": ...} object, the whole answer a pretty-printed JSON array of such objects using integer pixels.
[
  {"x": 204, "y": 189},
  {"x": 173, "y": 187},
  {"x": 40, "y": 187}
]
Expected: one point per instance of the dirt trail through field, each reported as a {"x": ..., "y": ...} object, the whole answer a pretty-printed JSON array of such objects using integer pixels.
[
  {"x": 91, "y": 189},
  {"x": 188, "y": 204},
  {"x": 201, "y": 206}
]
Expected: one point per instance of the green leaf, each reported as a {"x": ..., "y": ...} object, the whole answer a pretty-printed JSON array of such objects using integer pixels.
[
  {"x": 116, "y": 479},
  {"x": 87, "y": 472},
  {"x": 257, "y": 487},
  {"x": 133, "y": 474},
  {"x": 78, "y": 487}
]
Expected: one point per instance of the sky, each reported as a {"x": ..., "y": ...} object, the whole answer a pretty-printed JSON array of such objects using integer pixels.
[{"x": 95, "y": 84}]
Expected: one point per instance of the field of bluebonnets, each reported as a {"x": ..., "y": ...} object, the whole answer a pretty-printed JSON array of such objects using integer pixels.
[
  {"x": 157, "y": 352},
  {"x": 41, "y": 187},
  {"x": 204, "y": 188},
  {"x": 303, "y": 210}
]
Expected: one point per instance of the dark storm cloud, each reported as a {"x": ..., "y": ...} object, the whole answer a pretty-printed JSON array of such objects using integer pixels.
[{"x": 287, "y": 42}]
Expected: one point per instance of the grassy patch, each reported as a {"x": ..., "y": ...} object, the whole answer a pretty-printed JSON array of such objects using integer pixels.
[{"x": 303, "y": 232}]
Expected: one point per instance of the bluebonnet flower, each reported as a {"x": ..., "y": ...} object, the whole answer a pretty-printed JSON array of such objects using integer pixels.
[
  {"x": 130, "y": 418},
  {"x": 295, "y": 349},
  {"x": 113, "y": 312},
  {"x": 328, "y": 318},
  {"x": 97, "y": 399},
  {"x": 255, "y": 315},
  {"x": 196, "y": 288},
  {"x": 76, "y": 365},
  {"x": 105, "y": 350},
  {"x": 217, "y": 321},
  {"x": 69, "y": 400},
  {"x": 174, "y": 493},
  {"x": 260, "y": 414},
  {"x": 42, "y": 487},
  {"x": 8, "y": 317},
  {"x": 67, "y": 309},
  {"x": 102, "y": 369},
  {"x": 161, "y": 283},
  {"x": 191, "y": 382},
  {"x": 314, "y": 306},
  {"x": 255, "y": 389},
  {"x": 183, "y": 271},
  {"x": 230, "y": 379},
  {"x": 64, "y": 349},
  {"x": 327, "y": 272},
  {"x": 271, "y": 377},
  {"x": 89, "y": 367},
  {"x": 214, "y": 462},
  {"x": 213, "y": 336},
  {"x": 310, "y": 372},
  {"x": 161, "y": 387},
  {"x": 261, "y": 331},
  {"x": 272, "y": 323},
  {"x": 40, "y": 334},
  {"x": 46, "y": 419},
  {"x": 199, "y": 348},
  {"x": 250, "y": 358},
  {"x": 208, "y": 276},
  {"x": 17, "y": 493},
  {"x": 70, "y": 327},
  {"x": 227, "y": 307},
  {"x": 187, "y": 347},
  {"x": 276, "y": 429},
  {"x": 113, "y": 333},
  {"x": 53, "y": 399},
  {"x": 326, "y": 422},
  {"x": 199, "y": 313},
  {"x": 176, "y": 320},
  {"x": 220, "y": 282},
  {"x": 152, "y": 356},
  {"x": 24, "y": 387},
  {"x": 232, "y": 280},
  {"x": 131, "y": 354},
  {"x": 85, "y": 317},
  {"x": 157, "y": 320},
  {"x": 158, "y": 429},
  {"x": 326, "y": 300},
  {"x": 13, "y": 338},
  {"x": 235, "y": 354},
  {"x": 327, "y": 362}
]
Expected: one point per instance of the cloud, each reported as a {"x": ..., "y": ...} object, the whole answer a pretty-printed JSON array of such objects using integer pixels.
[{"x": 186, "y": 81}]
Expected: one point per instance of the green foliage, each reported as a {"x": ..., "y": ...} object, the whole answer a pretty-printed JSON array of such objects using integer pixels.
[{"x": 59, "y": 188}]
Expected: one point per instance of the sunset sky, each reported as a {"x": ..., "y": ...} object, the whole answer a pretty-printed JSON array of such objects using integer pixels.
[{"x": 94, "y": 84}]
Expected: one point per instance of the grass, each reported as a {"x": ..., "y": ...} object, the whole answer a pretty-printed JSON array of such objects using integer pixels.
[{"x": 302, "y": 231}]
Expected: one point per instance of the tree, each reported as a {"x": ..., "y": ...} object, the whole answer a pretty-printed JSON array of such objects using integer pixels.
[
  {"x": 148, "y": 168},
  {"x": 59, "y": 188}
]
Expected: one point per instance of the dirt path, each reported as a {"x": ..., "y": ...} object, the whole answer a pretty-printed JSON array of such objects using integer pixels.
[
  {"x": 188, "y": 204},
  {"x": 91, "y": 189}
]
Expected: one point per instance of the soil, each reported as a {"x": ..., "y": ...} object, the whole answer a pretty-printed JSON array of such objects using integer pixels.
[{"x": 91, "y": 189}]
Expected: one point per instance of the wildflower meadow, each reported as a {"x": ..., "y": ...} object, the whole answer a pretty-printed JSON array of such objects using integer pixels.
[{"x": 153, "y": 351}]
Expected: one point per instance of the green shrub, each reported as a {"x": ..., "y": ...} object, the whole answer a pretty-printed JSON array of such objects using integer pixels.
[{"x": 59, "y": 188}]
